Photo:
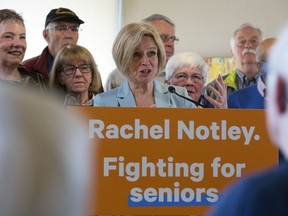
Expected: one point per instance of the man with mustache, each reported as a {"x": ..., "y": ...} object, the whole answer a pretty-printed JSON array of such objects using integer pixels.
[
  {"x": 254, "y": 96},
  {"x": 244, "y": 42},
  {"x": 264, "y": 193}
]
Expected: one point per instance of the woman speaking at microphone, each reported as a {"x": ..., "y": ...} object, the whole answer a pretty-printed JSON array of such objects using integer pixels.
[{"x": 139, "y": 54}]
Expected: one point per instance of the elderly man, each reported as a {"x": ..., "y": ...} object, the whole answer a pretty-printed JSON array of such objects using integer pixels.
[
  {"x": 253, "y": 97},
  {"x": 265, "y": 193},
  {"x": 61, "y": 29},
  {"x": 244, "y": 42},
  {"x": 166, "y": 29}
]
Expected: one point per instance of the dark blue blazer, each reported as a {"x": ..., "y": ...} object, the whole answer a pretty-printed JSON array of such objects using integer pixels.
[
  {"x": 246, "y": 98},
  {"x": 261, "y": 194},
  {"x": 249, "y": 98}
]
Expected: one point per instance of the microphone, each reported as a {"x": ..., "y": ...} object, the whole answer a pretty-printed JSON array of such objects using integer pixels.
[{"x": 171, "y": 89}]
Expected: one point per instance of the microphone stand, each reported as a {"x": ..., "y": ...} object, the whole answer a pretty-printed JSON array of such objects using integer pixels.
[{"x": 171, "y": 89}]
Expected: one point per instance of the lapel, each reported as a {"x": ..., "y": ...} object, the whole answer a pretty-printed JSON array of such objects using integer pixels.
[
  {"x": 161, "y": 93},
  {"x": 124, "y": 96}
]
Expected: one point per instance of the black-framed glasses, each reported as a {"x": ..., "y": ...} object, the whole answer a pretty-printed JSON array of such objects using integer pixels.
[
  {"x": 69, "y": 70},
  {"x": 165, "y": 38},
  {"x": 183, "y": 77},
  {"x": 63, "y": 28}
]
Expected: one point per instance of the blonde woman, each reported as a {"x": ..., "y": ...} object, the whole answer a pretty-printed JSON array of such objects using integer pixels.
[{"x": 139, "y": 54}]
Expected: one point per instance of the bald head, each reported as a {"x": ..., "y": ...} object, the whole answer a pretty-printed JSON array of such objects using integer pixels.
[{"x": 263, "y": 49}]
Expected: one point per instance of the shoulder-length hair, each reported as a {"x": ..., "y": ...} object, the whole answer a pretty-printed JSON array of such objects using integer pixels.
[
  {"x": 72, "y": 53},
  {"x": 128, "y": 39}
]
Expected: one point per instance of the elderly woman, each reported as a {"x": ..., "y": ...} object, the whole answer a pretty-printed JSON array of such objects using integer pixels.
[
  {"x": 189, "y": 70},
  {"x": 12, "y": 50},
  {"x": 75, "y": 74},
  {"x": 139, "y": 54}
]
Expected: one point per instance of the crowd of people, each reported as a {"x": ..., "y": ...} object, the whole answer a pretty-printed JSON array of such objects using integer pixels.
[{"x": 146, "y": 67}]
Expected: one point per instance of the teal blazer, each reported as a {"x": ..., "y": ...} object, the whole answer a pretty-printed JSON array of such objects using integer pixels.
[{"x": 122, "y": 96}]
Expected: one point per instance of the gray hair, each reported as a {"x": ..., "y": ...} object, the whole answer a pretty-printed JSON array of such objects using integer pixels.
[
  {"x": 186, "y": 58},
  {"x": 9, "y": 14},
  {"x": 156, "y": 17},
  {"x": 243, "y": 26}
]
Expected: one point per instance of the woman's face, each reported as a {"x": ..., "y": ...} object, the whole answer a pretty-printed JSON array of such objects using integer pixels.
[
  {"x": 12, "y": 43},
  {"x": 144, "y": 65},
  {"x": 191, "y": 79},
  {"x": 77, "y": 77}
]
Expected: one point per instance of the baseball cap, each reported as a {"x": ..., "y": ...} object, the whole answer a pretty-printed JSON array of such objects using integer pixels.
[{"x": 61, "y": 13}]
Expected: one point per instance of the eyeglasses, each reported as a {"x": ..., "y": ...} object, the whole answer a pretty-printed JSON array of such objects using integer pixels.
[
  {"x": 182, "y": 77},
  {"x": 65, "y": 28},
  {"x": 70, "y": 70},
  {"x": 165, "y": 38}
]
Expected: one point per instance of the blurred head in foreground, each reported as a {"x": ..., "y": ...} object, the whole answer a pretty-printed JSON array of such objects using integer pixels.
[
  {"x": 43, "y": 157},
  {"x": 277, "y": 89}
]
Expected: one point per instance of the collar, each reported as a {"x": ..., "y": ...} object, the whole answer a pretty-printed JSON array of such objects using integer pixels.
[
  {"x": 230, "y": 79},
  {"x": 50, "y": 61},
  {"x": 125, "y": 96},
  {"x": 71, "y": 101},
  {"x": 261, "y": 88},
  {"x": 241, "y": 75}
]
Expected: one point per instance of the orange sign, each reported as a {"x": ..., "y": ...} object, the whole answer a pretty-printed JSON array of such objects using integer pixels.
[{"x": 171, "y": 161}]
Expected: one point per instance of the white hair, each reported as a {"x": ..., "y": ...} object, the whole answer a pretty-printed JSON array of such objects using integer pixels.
[
  {"x": 189, "y": 59},
  {"x": 243, "y": 26}
]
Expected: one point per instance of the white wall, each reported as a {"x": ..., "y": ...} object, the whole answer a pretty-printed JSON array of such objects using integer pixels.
[
  {"x": 98, "y": 31},
  {"x": 205, "y": 26}
]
